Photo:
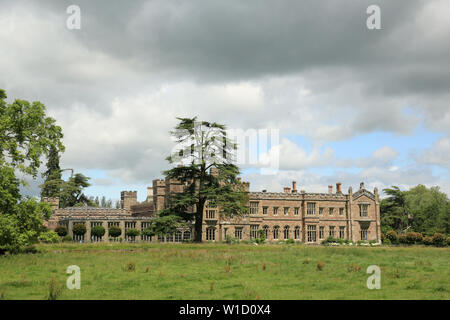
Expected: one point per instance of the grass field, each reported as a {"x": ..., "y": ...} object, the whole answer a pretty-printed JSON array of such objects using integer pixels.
[{"x": 220, "y": 271}]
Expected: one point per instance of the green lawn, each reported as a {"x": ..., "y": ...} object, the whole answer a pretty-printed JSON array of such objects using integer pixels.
[{"x": 220, "y": 271}]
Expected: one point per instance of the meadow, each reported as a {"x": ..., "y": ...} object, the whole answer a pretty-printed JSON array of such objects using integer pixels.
[{"x": 222, "y": 271}]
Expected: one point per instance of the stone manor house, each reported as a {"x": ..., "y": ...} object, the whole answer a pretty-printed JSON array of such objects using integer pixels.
[{"x": 291, "y": 214}]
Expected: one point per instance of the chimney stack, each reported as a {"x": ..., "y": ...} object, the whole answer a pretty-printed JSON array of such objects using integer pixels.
[
  {"x": 338, "y": 187},
  {"x": 287, "y": 190},
  {"x": 294, "y": 186},
  {"x": 330, "y": 189}
]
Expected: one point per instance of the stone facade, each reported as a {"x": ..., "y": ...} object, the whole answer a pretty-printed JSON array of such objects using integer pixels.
[{"x": 291, "y": 214}]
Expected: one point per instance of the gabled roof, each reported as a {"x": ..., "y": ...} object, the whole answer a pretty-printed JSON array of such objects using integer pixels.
[{"x": 363, "y": 192}]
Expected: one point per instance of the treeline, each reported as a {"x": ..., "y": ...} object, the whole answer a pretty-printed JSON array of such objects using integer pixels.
[
  {"x": 104, "y": 203},
  {"x": 420, "y": 209}
]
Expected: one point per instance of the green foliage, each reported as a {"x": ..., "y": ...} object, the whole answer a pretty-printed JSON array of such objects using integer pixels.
[
  {"x": 22, "y": 226},
  {"x": 205, "y": 168},
  {"x": 386, "y": 241},
  {"x": 114, "y": 231},
  {"x": 392, "y": 236},
  {"x": 49, "y": 237},
  {"x": 61, "y": 231},
  {"x": 71, "y": 193},
  {"x": 439, "y": 240},
  {"x": 290, "y": 241},
  {"x": 54, "y": 289},
  {"x": 320, "y": 265},
  {"x": 53, "y": 178},
  {"x": 79, "y": 229},
  {"x": 414, "y": 237},
  {"x": 26, "y": 134},
  {"x": 98, "y": 231},
  {"x": 67, "y": 238},
  {"x": 132, "y": 232},
  {"x": 261, "y": 237},
  {"x": 329, "y": 240},
  {"x": 428, "y": 241},
  {"x": 26, "y": 137},
  {"x": 402, "y": 239},
  {"x": 164, "y": 225},
  {"x": 426, "y": 210}
]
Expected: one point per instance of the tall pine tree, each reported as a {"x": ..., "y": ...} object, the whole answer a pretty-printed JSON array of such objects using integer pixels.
[{"x": 203, "y": 164}]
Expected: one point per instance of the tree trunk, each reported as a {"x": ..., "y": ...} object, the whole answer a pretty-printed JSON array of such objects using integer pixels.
[{"x": 198, "y": 223}]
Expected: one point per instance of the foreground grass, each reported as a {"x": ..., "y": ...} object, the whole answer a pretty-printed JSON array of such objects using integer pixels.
[{"x": 220, "y": 271}]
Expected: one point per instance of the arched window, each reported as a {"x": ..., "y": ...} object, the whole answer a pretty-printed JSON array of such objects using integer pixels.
[
  {"x": 178, "y": 236},
  {"x": 297, "y": 233},
  {"x": 286, "y": 232},
  {"x": 275, "y": 232},
  {"x": 266, "y": 231}
]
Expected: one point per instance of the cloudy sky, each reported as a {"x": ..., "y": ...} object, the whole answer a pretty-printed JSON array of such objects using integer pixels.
[{"x": 351, "y": 104}]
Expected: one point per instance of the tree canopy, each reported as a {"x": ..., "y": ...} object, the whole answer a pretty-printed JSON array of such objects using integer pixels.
[
  {"x": 203, "y": 164},
  {"x": 27, "y": 135},
  {"x": 422, "y": 209}
]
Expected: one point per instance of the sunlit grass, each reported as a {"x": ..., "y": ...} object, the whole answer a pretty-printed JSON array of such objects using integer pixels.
[{"x": 220, "y": 271}]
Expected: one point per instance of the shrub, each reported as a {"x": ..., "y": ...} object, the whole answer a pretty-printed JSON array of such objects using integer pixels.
[
  {"x": 49, "y": 237},
  {"x": 329, "y": 240},
  {"x": 290, "y": 241},
  {"x": 132, "y": 233},
  {"x": 67, "y": 238},
  {"x": 448, "y": 241},
  {"x": 414, "y": 237},
  {"x": 228, "y": 239},
  {"x": 129, "y": 267},
  {"x": 262, "y": 237},
  {"x": 402, "y": 239},
  {"x": 392, "y": 236},
  {"x": 79, "y": 229},
  {"x": 438, "y": 239},
  {"x": 428, "y": 241},
  {"x": 320, "y": 265},
  {"x": 98, "y": 231},
  {"x": 54, "y": 290},
  {"x": 387, "y": 241},
  {"x": 353, "y": 268},
  {"x": 114, "y": 231},
  {"x": 61, "y": 231}
]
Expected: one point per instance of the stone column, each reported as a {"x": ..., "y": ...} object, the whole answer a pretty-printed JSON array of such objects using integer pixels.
[
  {"x": 87, "y": 235},
  {"x": 138, "y": 227},
  {"x": 70, "y": 228}
]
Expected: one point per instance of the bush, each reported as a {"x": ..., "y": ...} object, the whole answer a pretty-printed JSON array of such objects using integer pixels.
[
  {"x": 79, "y": 229},
  {"x": 439, "y": 239},
  {"x": 392, "y": 236},
  {"x": 61, "y": 231},
  {"x": 448, "y": 241},
  {"x": 320, "y": 265},
  {"x": 414, "y": 237},
  {"x": 387, "y": 241},
  {"x": 428, "y": 241},
  {"x": 329, "y": 240},
  {"x": 114, "y": 231},
  {"x": 262, "y": 237},
  {"x": 49, "y": 237},
  {"x": 402, "y": 239},
  {"x": 132, "y": 233},
  {"x": 98, "y": 231},
  {"x": 290, "y": 241},
  {"x": 353, "y": 268},
  {"x": 67, "y": 238}
]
